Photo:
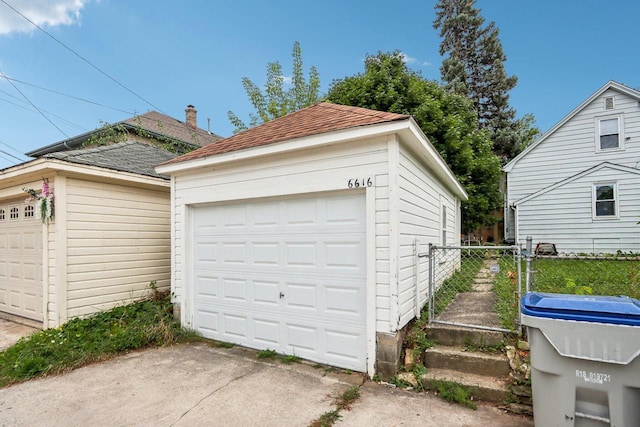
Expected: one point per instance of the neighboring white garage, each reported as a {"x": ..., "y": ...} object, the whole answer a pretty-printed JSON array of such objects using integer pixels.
[
  {"x": 299, "y": 235},
  {"x": 20, "y": 260}
]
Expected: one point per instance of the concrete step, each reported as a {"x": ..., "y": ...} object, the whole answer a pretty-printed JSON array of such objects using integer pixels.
[
  {"x": 490, "y": 389},
  {"x": 472, "y": 308},
  {"x": 458, "y": 336},
  {"x": 459, "y": 359}
]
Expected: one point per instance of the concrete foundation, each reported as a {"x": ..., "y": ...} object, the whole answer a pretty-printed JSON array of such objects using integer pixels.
[
  {"x": 176, "y": 311},
  {"x": 388, "y": 353}
]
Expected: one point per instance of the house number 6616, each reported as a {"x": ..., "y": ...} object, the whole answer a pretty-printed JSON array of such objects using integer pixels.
[{"x": 359, "y": 182}]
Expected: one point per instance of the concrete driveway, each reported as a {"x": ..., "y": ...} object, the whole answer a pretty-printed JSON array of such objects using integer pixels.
[{"x": 199, "y": 385}]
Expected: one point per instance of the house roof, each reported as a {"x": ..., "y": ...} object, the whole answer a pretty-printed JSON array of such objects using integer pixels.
[
  {"x": 585, "y": 172},
  {"x": 152, "y": 123},
  {"x": 317, "y": 119},
  {"x": 609, "y": 85},
  {"x": 130, "y": 156}
]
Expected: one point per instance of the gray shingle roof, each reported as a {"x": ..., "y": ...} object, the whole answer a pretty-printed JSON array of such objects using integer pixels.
[
  {"x": 128, "y": 156},
  {"x": 151, "y": 124}
]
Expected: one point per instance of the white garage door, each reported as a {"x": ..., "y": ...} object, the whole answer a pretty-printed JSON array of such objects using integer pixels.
[
  {"x": 20, "y": 260},
  {"x": 287, "y": 275}
]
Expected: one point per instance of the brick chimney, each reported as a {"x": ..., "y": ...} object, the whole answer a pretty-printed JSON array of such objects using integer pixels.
[{"x": 191, "y": 116}]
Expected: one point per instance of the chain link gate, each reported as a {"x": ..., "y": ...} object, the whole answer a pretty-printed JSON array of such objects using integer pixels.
[{"x": 475, "y": 286}]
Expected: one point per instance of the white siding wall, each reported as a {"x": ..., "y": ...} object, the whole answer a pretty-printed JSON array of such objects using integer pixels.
[
  {"x": 571, "y": 149},
  {"x": 118, "y": 241},
  {"x": 421, "y": 202},
  {"x": 305, "y": 172},
  {"x": 564, "y": 215}
]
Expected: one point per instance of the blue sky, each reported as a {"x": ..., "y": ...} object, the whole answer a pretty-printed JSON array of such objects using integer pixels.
[{"x": 172, "y": 54}]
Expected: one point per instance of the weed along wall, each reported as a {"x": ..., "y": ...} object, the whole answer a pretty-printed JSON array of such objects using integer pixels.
[{"x": 306, "y": 245}]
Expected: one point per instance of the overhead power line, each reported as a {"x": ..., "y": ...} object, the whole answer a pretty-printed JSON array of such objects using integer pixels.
[
  {"x": 12, "y": 149},
  {"x": 67, "y": 95},
  {"x": 81, "y": 57},
  {"x": 3, "y": 75}
]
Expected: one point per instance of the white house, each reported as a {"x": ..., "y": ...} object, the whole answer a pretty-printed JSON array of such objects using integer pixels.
[
  {"x": 578, "y": 185},
  {"x": 298, "y": 235}
]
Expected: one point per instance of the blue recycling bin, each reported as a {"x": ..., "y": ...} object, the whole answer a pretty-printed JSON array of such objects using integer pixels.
[{"x": 585, "y": 369}]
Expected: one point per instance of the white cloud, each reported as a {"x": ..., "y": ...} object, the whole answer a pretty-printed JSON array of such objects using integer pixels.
[
  {"x": 45, "y": 13},
  {"x": 410, "y": 60}
]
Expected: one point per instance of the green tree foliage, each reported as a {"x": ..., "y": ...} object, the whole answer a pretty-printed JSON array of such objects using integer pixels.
[
  {"x": 276, "y": 101},
  {"x": 449, "y": 121},
  {"x": 474, "y": 67}
]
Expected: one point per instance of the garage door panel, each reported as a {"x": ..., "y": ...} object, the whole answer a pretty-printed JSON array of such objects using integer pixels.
[
  {"x": 265, "y": 215},
  {"x": 301, "y": 337},
  {"x": 340, "y": 344},
  {"x": 266, "y": 333},
  {"x": 234, "y": 326},
  {"x": 301, "y": 296},
  {"x": 266, "y": 254},
  {"x": 345, "y": 301},
  {"x": 301, "y": 212},
  {"x": 287, "y": 275},
  {"x": 234, "y": 289},
  {"x": 266, "y": 292},
  {"x": 234, "y": 253},
  {"x": 301, "y": 254}
]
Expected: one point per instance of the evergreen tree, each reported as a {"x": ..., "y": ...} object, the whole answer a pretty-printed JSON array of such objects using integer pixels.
[
  {"x": 449, "y": 121},
  {"x": 276, "y": 101},
  {"x": 474, "y": 68}
]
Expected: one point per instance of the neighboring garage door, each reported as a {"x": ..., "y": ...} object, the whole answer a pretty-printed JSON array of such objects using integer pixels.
[
  {"x": 287, "y": 275},
  {"x": 20, "y": 260}
]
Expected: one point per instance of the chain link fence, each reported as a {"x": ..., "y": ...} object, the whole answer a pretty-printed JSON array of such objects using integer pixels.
[
  {"x": 481, "y": 286},
  {"x": 475, "y": 286}
]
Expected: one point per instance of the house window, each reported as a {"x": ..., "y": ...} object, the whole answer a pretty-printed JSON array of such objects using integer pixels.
[
  {"x": 609, "y": 134},
  {"x": 29, "y": 211},
  {"x": 605, "y": 201},
  {"x": 2, "y": 214},
  {"x": 14, "y": 213},
  {"x": 444, "y": 225}
]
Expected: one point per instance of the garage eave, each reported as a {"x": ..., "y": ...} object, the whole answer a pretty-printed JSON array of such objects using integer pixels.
[
  {"x": 420, "y": 144},
  {"x": 43, "y": 166},
  {"x": 340, "y": 136}
]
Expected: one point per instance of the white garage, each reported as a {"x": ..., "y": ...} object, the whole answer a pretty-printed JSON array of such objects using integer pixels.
[
  {"x": 20, "y": 260},
  {"x": 299, "y": 235}
]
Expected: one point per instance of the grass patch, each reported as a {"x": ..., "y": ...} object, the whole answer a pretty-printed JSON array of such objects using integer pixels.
[
  {"x": 327, "y": 419},
  {"x": 283, "y": 358},
  {"x": 342, "y": 402},
  {"x": 505, "y": 287},
  {"x": 588, "y": 275},
  {"x": 454, "y": 393},
  {"x": 461, "y": 281},
  {"x": 267, "y": 354},
  {"x": 86, "y": 340}
]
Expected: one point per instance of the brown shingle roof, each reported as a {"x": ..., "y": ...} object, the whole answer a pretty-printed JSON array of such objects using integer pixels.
[
  {"x": 162, "y": 124},
  {"x": 316, "y": 119}
]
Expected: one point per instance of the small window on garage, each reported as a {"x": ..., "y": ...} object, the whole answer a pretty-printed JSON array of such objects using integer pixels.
[
  {"x": 444, "y": 225},
  {"x": 29, "y": 211},
  {"x": 14, "y": 213},
  {"x": 2, "y": 214},
  {"x": 605, "y": 201}
]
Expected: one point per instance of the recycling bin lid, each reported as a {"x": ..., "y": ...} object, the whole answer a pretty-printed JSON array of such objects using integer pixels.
[{"x": 586, "y": 308}]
